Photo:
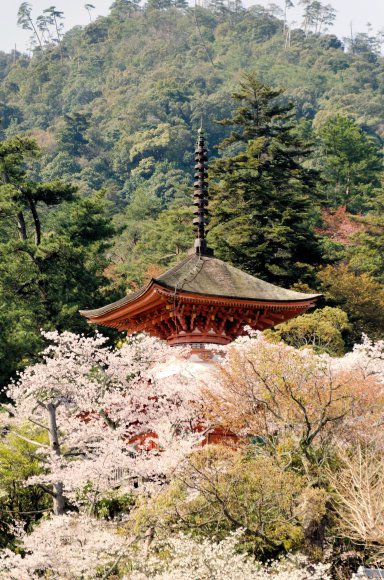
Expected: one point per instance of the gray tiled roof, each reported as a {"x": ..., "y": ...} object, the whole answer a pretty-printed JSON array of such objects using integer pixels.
[{"x": 209, "y": 276}]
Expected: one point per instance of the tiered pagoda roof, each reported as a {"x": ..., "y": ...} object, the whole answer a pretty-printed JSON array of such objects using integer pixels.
[{"x": 202, "y": 299}]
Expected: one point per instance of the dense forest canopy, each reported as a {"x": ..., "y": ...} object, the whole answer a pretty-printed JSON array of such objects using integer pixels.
[{"x": 98, "y": 126}]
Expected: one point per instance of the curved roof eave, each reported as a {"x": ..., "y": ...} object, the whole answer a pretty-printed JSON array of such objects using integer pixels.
[
  {"x": 265, "y": 293},
  {"x": 97, "y": 312}
]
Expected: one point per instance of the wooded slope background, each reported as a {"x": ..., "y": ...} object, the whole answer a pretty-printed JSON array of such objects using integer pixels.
[{"x": 114, "y": 108}]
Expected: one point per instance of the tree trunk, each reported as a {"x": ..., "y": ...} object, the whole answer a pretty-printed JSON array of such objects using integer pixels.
[
  {"x": 36, "y": 221},
  {"x": 19, "y": 216},
  {"x": 149, "y": 535},
  {"x": 58, "y": 497},
  {"x": 53, "y": 435},
  {"x": 21, "y": 226},
  {"x": 59, "y": 40},
  {"x": 35, "y": 32}
]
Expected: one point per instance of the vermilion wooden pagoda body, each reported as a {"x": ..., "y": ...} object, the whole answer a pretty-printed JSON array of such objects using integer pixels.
[{"x": 202, "y": 300}]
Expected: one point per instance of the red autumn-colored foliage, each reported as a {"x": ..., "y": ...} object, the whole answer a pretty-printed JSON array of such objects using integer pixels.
[{"x": 340, "y": 225}]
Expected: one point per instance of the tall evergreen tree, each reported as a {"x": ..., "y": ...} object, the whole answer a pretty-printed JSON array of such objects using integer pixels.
[
  {"x": 46, "y": 279},
  {"x": 263, "y": 202},
  {"x": 24, "y": 19},
  {"x": 71, "y": 136}
]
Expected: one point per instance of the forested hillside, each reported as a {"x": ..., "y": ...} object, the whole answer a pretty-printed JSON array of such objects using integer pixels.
[{"x": 102, "y": 202}]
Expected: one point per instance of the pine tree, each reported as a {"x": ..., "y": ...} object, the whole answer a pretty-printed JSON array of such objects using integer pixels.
[
  {"x": 263, "y": 208},
  {"x": 52, "y": 254},
  {"x": 18, "y": 193},
  {"x": 71, "y": 136},
  {"x": 24, "y": 20}
]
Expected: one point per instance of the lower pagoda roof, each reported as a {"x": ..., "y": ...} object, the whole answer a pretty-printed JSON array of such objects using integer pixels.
[
  {"x": 210, "y": 277},
  {"x": 202, "y": 299}
]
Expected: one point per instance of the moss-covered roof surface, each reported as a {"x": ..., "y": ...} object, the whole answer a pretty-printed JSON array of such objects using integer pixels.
[{"x": 209, "y": 276}]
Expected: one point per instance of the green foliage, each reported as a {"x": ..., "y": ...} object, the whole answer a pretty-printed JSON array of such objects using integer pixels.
[
  {"x": 18, "y": 461},
  {"x": 109, "y": 506},
  {"x": 113, "y": 505},
  {"x": 367, "y": 255},
  {"x": 218, "y": 491},
  {"x": 24, "y": 20},
  {"x": 322, "y": 330},
  {"x": 163, "y": 78},
  {"x": 153, "y": 246},
  {"x": 44, "y": 282},
  {"x": 350, "y": 163},
  {"x": 359, "y": 295},
  {"x": 263, "y": 214},
  {"x": 72, "y": 135},
  {"x": 18, "y": 193}
]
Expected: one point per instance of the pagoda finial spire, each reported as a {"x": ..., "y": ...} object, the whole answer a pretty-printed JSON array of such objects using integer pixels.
[{"x": 200, "y": 196}]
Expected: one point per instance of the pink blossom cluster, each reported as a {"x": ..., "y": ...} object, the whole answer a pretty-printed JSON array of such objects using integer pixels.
[
  {"x": 66, "y": 547},
  {"x": 106, "y": 402}
]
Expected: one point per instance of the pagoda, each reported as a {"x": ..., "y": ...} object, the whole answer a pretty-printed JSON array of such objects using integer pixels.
[{"x": 202, "y": 300}]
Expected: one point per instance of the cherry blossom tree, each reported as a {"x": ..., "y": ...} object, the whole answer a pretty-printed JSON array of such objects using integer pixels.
[
  {"x": 278, "y": 393},
  {"x": 74, "y": 547},
  {"x": 108, "y": 417},
  {"x": 68, "y": 547},
  {"x": 207, "y": 558}
]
